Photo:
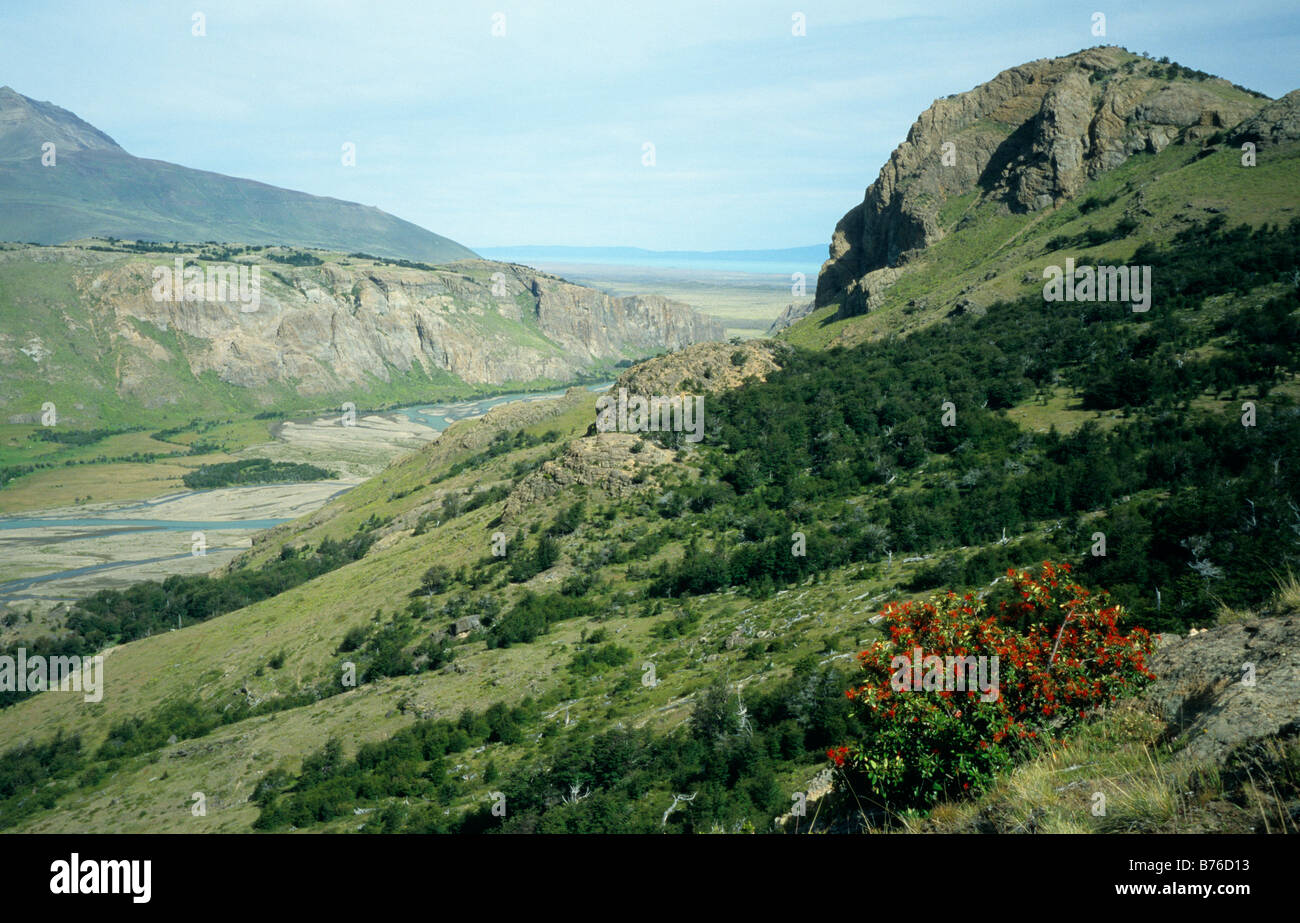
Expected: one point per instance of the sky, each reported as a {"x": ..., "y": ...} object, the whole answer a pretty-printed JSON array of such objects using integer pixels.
[{"x": 762, "y": 138}]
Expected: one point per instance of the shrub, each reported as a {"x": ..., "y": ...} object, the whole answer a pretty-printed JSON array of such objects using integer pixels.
[
  {"x": 353, "y": 639},
  {"x": 590, "y": 661},
  {"x": 1060, "y": 654}
]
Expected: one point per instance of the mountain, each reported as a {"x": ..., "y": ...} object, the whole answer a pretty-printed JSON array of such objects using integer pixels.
[
  {"x": 641, "y": 632},
  {"x": 96, "y": 189},
  {"x": 1017, "y": 149},
  {"x": 81, "y": 325}
]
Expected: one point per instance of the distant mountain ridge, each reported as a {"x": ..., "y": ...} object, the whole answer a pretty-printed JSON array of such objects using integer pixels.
[{"x": 94, "y": 188}]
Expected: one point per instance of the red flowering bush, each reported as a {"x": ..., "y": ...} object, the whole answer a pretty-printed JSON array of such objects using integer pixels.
[{"x": 957, "y": 690}]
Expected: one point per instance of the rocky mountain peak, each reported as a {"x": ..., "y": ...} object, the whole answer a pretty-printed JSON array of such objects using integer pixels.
[{"x": 1029, "y": 139}]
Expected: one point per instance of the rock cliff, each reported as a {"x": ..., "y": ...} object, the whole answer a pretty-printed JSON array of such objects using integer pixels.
[
  {"x": 1029, "y": 139},
  {"x": 1277, "y": 123},
  {"x": 335, "y": 328}
]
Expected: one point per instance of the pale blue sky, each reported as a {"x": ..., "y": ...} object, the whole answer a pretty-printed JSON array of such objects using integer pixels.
[{"x": 763, "y": 139}]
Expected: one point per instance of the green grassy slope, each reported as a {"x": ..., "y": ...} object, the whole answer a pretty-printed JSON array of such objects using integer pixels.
[
  {"x": 987, "y": 254},
  {"x": 1068, "y": 422},
  {"x": 226, "y": 659}
]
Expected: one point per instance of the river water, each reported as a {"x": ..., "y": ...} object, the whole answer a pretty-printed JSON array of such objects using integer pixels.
[{"x": 57, "y": 555}]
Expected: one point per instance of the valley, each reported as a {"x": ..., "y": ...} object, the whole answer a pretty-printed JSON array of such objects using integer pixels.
[
  {"x": 54, "y": 556},
  {"x": 490, "y": 609}
]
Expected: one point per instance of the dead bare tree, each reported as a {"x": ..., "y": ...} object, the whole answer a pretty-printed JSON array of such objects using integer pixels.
[
  {"x": 742, "y": 715},
  {"x": 673, "y": 807},
  {"x": 577, "y": 792}
]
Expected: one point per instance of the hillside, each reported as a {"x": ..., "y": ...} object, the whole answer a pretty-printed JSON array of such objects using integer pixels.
[
  {"x": 1089, "y": 156},
  {"x": 637, "y": 632},
  {"x": 96, "y": 189},
  {"x": 81, "y": 326}
]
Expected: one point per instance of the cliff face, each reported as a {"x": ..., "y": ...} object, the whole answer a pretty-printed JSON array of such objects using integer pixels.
[
  {"x": 1277, "y": 123},
  {"x": 598, "y": 326},
  {"x": 794, "y": 311},
  {"x": 1029, "y": 138},
  {"x": 338, "y": 327}
]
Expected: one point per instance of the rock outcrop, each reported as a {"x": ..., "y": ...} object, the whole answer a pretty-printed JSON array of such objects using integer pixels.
[
  {"x": 707, "y": 368},
  {"x": 616, "y": 463},
  {"x": 1277, "y": 123},
  {"x": 335, "y": 328},
  {"x": 793, "y": 312},
  {"x": 621, "y": 463},
  {"x": 1232, "y": 685},
  {"x": 1030, "y": 138}
]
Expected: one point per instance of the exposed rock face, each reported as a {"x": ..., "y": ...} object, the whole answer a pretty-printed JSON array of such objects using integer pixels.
[
  {"x": 333, "y": 328},
  {"x": 599, "y": 326},
  {"x": 619, "y": 463},
  {"x": 1029, "y": 138},
  {"x": 1277, "y": 123},
  {"x": 608, "y": 461},
  {"x": 793, "y": 312},
  {"x": 705, "y": 367},
  {"x": 1201, "y": 693}
]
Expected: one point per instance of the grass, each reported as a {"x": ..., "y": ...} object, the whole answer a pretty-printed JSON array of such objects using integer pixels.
[
  {"x": 1001, "y": 257},
  {"x": 1288, "y": 590},
  {"x": 215, "y": 660},
  {"x": 1121, "y": 775},
  {"x": 1058, "y": 791}
]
